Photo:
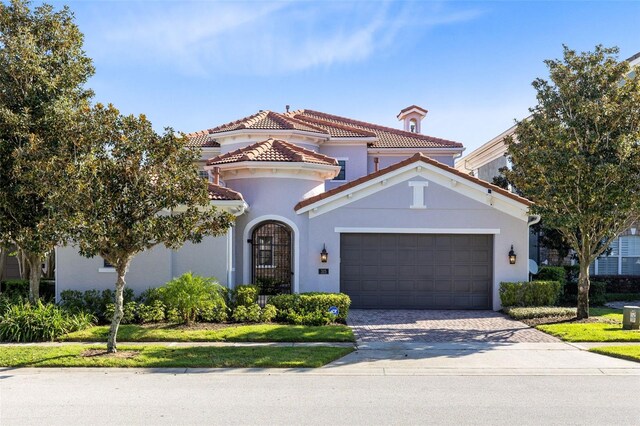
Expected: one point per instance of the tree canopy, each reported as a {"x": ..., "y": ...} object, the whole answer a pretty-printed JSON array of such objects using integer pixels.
[
  {"x": 577, "y": 155},
  {"x": 129, "y": 189},
  {"x": 42, "y": 74}
]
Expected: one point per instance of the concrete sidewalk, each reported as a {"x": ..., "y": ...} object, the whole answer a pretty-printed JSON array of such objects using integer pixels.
[{"x": 478, "y": 358}]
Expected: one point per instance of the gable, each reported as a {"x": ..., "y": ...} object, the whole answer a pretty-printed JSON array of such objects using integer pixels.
[{"x": 404, "y": 183}]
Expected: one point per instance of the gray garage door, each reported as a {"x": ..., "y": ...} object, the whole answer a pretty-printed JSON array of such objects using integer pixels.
[{"x": 417, "y": 271}]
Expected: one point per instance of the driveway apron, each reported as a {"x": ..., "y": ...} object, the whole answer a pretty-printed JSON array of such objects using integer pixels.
[{"x": 441, "y": 326}]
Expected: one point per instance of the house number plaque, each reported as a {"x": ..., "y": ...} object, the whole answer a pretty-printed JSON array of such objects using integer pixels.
[{"x": 323, "y": 271}]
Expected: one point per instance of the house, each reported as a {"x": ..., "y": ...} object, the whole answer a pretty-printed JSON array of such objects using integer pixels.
[
  {"x": 328, "y": 203},
  {"x": 485, "y": 163}
]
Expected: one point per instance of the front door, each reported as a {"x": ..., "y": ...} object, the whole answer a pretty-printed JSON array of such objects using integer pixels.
[{"x": 272, "y": 257}]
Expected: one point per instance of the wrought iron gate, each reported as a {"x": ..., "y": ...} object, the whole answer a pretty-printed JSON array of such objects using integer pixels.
[{"x": 272, "y": 257}]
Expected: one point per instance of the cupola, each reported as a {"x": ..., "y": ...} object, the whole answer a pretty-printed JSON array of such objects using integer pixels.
[{"x": 412, "y": 116}]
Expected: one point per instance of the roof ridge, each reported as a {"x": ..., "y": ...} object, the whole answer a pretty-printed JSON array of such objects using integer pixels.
[
  {"x": 299, "y": 121},
  {"x": 383, "y": 128},
  {"x": 256, "y": 117},
  {"x": 418, "y": 156},
  {"x": 304, "y": 151},
  {"x": 338, "y": 125}
]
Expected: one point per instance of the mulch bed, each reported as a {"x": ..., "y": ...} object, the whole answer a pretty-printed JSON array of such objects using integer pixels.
[{"x": 90, "y": 353}]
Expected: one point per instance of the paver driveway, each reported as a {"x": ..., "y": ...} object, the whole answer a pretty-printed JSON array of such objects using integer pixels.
[{"x": 440, "y": 326}]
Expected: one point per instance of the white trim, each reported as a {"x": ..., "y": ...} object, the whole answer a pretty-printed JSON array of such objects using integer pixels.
[
  {"x": 394, "y": 152},
  {"x": 465, "y": 187},
  {"x": 107, "y": 270},
  {"x": 230, "y": 282},
  {"x": 246, "y": 249},
  {"x": 351, "y": 230},
  {"x": 276, "y": 169},
  {"x": 55, "y": 275},
  {"x": 418, "y": 194}
]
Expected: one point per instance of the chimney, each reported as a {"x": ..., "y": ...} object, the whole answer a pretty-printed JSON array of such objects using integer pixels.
[
  {"x": 216, "y": 175},
  {"x": 287, "y": 107},
  {"x": 412, "y": 117}
]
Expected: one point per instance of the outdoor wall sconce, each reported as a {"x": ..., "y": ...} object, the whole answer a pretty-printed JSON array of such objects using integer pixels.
[
  {"x": 324, "y": 256},
  {"x": 512, "y": 256}
]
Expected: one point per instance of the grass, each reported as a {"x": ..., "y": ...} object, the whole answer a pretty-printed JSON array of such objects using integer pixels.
[
  {"x": 605, "y": 326},
  {"x": 631, "y": 353},
  {"x": 232, "y": 333},
  {"x": 164, "y": 357}
]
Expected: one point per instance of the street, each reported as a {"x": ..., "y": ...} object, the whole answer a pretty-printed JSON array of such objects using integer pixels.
[{"x": 120, "y": 396}]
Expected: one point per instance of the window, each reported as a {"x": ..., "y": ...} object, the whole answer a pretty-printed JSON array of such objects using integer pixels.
[
  {"x": 623, "y": 259},
  {"x": 265, "y": 251},
  {"x": 413, "y": 126},
  {"x": 343, "y": 171},
  {"x": 204, "y": 174},
  {"x": 106, "y": 264}
]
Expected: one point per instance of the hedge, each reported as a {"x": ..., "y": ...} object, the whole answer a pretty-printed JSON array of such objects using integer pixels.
[
  {"x": 552, "y": 273},
  {"x": 597, "y": 293},
  {"x": 620, "y": 283},
  {"x": 19, "y": 287},
  {"x": 311, "y": 303},
  {"x": 529, "y": 293}
]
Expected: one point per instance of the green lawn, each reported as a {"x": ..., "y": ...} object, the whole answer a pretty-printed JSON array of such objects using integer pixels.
[
  {"x": 232, "y": 333},
  {"x": 161, "y": 356},
  {"x": 608, "y": 328},
  {"x": 631, "y": 353}
]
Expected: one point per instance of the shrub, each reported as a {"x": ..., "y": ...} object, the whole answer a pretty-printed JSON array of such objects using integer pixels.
[
  {"x": 191, "y": 295},
  {"x": 214, "y": 313},
  {"x": 26, "y": 322},
  {"x": 307, "y": 303},
  {"x": 129, "y": 312},
  {"x": 268, "y": 313},
  {"x": 309, "y": 318},
  {"x": 94, "y": 302},
  {"x": 151, "y": 312},
  {"x": 520, "y": 313},
  {"x": 552, "y": 273},
  {"x": 597, "y": 290},
  {"x": 271, "y": 286},
  {"x": 597, "y": 293},
  {"x": 251, "y": 313},
  {"x": 16, "y": 287},
  {"x": 620, "y": 283},
  {"x": 622, "y": 297},
  {"x": 532, "y": 293},
  {"x": 245, "y": 295},
  {"x": 150, "y": 295}
]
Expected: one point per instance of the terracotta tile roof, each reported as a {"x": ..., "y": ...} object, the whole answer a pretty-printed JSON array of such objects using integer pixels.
[
  {"x": 266, "y": 120},
  {"x": 413, "y": 159},
  {"x": 387, "y": 137},
  {"x": 220, "y": 193},
  {"x": 201, "y": 139},
  {"x": 412, "y": 107},
  {"x": 336, "y": 130},
  {"x": 273, "y": 150}
]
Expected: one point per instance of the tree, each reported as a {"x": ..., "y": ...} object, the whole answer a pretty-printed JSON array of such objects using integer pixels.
[
  {"x": 577, "y": 155},
  {"x": 130, "y": 189},
  {"x": 42, "y": 72}
]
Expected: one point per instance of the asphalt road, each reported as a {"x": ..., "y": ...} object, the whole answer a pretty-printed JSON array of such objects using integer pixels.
[{"x": 124, "y": 397}]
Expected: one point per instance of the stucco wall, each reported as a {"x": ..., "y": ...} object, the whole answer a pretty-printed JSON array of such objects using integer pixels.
[
  {"x": 356, "y": 161},
  {"x": 270, "y": 199},
  {"x": 488, "y": 171},
  {"x": 389, "y": 208},
  {"x": 151, "y": 268}
]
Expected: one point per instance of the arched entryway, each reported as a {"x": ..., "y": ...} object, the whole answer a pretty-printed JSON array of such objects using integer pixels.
[{"x": 272, "y": 257}]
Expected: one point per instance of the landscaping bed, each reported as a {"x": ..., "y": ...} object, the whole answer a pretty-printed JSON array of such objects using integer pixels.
[
  {"x": 164, "y": 357},
  {"x": 215, "y": 332}
]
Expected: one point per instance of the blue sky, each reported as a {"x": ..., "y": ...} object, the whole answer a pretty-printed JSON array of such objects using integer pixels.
[{"x": 194, "y": 65}]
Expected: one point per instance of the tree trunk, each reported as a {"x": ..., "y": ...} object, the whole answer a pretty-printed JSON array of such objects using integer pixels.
[
  {"x": 35, "y": 273},
  {"x": 118, "y": 313},
  {"x": 3, "y": 260},
  {"x": 23, "y": 264},
  {"x": 583, "y": 289}
]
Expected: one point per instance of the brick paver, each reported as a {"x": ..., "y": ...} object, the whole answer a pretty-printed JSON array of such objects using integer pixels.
[{"x": 441, "y": 326}]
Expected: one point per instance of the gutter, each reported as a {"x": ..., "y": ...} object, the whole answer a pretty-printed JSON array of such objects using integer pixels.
[{"x": 533, "y": 219}]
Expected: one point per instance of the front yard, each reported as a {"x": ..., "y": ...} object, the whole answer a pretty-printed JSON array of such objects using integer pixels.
[
  {"x": 153, "y": 356},
  {"x": 203, "y": 332},
  {"x": 603, "y": 325}
]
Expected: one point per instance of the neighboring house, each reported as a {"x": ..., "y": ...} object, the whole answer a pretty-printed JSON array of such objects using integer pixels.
[
  {"x": 485, "y": 163},
  {"x": 328, "y": 203}
]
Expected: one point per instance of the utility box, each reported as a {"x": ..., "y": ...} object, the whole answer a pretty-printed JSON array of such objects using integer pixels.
[{"x": 631, "y": 317}]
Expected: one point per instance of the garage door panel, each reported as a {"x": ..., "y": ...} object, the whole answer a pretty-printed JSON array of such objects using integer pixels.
[{"x": 417, "y": 271}]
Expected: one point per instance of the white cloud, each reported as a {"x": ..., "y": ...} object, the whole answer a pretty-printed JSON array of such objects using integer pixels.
[{"x": 262, "y": 37}]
